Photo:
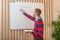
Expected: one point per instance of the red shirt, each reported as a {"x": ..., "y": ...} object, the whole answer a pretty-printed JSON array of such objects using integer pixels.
[{"x": 38, "y": 26}]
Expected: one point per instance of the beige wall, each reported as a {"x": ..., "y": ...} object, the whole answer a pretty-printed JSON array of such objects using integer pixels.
[{"x": 56, "y": 9}]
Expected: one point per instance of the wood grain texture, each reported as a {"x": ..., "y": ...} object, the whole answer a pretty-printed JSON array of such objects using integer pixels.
[
  {"x": 7, "y": 20},
  {"x": 4, "y": 21},
  {"x": 0, "y": 19},
  {"x": 7, "y": 34}
]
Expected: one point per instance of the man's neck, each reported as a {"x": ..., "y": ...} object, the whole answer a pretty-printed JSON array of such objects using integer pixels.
[{"x": 37, "y": 16}]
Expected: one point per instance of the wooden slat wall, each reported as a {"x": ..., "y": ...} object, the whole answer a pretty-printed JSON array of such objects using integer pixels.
[
  {"x": 0, "y": 17},
  {"x": 6, "y": 34}
]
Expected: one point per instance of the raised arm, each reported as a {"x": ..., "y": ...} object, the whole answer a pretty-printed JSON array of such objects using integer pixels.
[{"x": 28, "y": 16}]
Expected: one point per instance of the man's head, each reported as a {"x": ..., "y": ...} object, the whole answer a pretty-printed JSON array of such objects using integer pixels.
[{"x": 37, "y": 12}]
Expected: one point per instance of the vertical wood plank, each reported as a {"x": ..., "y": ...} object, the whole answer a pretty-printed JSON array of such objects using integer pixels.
[
  {"x": 44, "y": 1},
  {"x": 7, "y": 20},
  {"x": 24, "y": 35},
  {"x": 10, "y": 33},
  {"x": 34, "y": 0},
  {"x": 32, "y": 37},
  {"x": 27, "y": 36},
  {"x": 4, "y": 20},
  {"x": 39, "y": 1},
  {"x": 23, "y": 0},
  {"x": 19, "y": 0},
  {"x": 19, "y": 38},
  {"x": 10, "y": 38},
  {"x": 16, "y": 36},
  {"x": 51, "y": 12},
  {"x": 21, "y": 34},
  {"x": 0, "y": 19},
  {"x": 16, "y": 0},
  {"x": 47, "y": 20},
  {"x": 13, "y": 35},
  {"x": 31, "y": 0}
]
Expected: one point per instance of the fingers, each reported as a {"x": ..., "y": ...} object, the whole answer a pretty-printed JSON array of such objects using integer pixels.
[{"x": 22, "y": 10}]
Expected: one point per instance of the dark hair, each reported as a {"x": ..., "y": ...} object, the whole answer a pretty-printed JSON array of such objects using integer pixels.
[{"x": 38, "y": 11}]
